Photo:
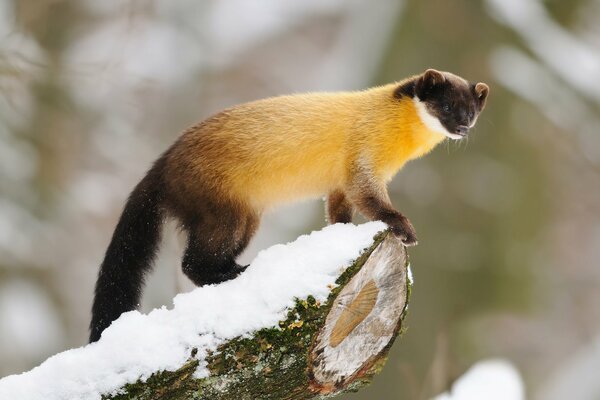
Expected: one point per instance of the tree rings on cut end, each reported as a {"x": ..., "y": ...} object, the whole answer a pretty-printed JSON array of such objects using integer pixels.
[
  {"x": 355, "y": 313},
  {"x": 364, "y": 320}
]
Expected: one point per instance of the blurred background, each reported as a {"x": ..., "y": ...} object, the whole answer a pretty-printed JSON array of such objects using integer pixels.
[{"x": 508, "y": 264}]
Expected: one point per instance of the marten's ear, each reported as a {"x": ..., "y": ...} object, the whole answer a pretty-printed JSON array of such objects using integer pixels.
[
  {"x": 426, "y": 82},
  {"x": 481, "y": 92}
]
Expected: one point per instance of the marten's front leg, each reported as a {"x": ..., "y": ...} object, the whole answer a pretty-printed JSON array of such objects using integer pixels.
[{"x": 370, "y": 197}]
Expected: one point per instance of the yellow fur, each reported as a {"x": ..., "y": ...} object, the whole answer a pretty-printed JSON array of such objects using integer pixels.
[{"x": 289, "y": 148}]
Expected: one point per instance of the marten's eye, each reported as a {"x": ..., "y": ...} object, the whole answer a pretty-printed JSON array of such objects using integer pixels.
[
  {"x": 471, "y": 115},
  {"x": 446, "y": 107}
]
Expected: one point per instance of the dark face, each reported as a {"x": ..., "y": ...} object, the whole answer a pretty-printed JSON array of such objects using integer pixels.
[{"x": 454, "y": 102}]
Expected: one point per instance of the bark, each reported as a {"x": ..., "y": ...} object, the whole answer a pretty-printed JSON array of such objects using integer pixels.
[{"x": 318, "y": 352}]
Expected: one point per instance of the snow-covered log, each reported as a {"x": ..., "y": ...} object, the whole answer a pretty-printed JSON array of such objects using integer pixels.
[{"x": 311, "y": 319}]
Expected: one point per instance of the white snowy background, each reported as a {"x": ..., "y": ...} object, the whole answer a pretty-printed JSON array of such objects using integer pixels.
[{"x": 509, "y": 223}]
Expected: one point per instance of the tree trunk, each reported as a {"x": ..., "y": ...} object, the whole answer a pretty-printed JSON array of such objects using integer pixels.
[{"x": 319, "y": 351}]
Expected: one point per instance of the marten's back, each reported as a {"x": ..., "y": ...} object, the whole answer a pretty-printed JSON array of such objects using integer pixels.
[{"x": 270, "y": 151}]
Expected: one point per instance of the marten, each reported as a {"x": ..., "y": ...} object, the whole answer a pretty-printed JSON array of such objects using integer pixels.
[{"x": 222, "y": 174}]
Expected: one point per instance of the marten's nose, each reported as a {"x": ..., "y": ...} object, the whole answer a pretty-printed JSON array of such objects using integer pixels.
[{"x": 462, "y": 130}]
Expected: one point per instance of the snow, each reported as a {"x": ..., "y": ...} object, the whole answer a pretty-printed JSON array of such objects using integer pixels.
[
  {"x": 136, "y": 345},
  {"x": 494, "y": 379}
]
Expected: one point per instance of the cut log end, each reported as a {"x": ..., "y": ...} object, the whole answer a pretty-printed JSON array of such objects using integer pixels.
[{"x": 363, "y": 322}]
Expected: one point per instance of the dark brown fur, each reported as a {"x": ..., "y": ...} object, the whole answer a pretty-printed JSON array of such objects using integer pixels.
[
  {"x": 339, "y": 208},
  {"x": 219, "y": 227},
  {"x": 372, "y": 200}
]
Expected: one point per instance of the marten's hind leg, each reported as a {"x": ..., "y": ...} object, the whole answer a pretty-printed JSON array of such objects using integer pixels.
[
  {"x": 339, "y": 208},
  {"x": 215, "y": 239}
]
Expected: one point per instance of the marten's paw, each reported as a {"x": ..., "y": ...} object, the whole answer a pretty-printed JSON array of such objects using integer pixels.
[
  {"x": 404, "y": 230},
  {"x": 232, "y": 273},
  {"x": 224, "y": 275}
]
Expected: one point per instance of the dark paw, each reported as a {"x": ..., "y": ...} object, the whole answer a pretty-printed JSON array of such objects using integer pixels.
[
  {"x": 232, "y": 273},
  {"x": 404, "y": 231},
  {"x": 241, "y": 268}
]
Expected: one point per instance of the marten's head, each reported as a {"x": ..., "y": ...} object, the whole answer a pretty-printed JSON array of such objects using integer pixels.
[{"x": 446, "y": 103}]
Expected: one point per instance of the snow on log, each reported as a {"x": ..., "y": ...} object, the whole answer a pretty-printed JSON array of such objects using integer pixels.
[{"x": 310, "y": 319}]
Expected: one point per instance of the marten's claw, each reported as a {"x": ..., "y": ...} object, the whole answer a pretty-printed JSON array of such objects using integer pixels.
[
  {"x": 409, "y": 241},
  {"x": 405, "y": 232},
  {"x": 231, "y": 273}
]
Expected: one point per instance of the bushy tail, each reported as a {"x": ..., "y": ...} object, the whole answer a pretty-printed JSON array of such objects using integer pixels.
[{"x": 130, "y": 253}]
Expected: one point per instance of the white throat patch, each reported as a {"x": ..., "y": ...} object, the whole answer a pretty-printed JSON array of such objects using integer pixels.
[{"x": 431, "y": 121}]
